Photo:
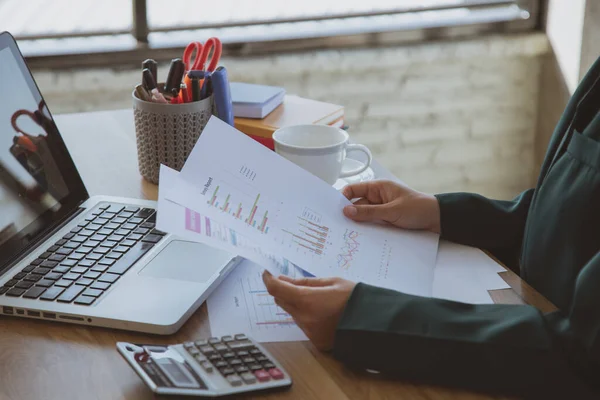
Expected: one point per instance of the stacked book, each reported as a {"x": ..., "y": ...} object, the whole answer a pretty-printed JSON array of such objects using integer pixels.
[{"x": 293, "y": 111}]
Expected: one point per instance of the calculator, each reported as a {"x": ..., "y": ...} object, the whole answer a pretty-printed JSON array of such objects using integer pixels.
[{"x": 211, "y": 367}]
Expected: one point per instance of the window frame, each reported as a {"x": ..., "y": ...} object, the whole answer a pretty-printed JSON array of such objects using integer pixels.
[{"x": 142, "y": 45}]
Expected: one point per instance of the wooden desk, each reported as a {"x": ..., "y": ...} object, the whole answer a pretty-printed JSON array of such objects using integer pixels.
[{"x": 46, "y": 360}]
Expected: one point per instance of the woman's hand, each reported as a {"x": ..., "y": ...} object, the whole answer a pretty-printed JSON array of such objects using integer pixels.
[
  {"x": 316, "y": 304},
  {"x": 394, "y": 203}
]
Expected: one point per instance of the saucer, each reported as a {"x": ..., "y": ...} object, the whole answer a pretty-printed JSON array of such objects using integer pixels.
[{"x": 350, "y": 163}]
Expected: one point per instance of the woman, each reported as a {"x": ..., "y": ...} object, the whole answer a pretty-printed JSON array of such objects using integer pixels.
[{"x": 550, "y": 235}]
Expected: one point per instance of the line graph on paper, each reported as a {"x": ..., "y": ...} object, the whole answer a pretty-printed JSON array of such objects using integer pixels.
[
  {"x": 349, "y": 249},
  {"x": 263, "y": 313},
  {"x": 242, "y": 304}
]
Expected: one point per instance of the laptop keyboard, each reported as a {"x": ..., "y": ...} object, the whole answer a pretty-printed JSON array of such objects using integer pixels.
[{"x": 90, "y": 258}]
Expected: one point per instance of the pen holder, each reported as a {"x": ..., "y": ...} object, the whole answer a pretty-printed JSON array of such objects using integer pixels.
[{"x": 167, "y": 133}]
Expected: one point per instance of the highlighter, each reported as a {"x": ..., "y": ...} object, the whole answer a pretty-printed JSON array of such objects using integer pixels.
[{"x": 222, "y": 93}]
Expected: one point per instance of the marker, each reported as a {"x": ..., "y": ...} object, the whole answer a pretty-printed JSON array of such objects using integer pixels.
[
  {"x": 153, "y": 67},
  {"x": 221, "y": 90},
  {"x": 150, "y": 84},
  {"x": 176, "y": 71}
]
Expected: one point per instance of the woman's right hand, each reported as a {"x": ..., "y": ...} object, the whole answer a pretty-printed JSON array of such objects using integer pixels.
[{"x": 394, "y": 203}]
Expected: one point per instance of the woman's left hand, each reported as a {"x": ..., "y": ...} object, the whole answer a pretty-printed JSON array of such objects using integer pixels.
[{"x": 316, "y": 304}]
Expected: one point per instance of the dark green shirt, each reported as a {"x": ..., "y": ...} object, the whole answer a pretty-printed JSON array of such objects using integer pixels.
[{"x": 551, "y": 235}]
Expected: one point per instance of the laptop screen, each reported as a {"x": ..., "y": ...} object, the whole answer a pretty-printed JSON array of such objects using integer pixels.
[{"x": 39, "y": 184}]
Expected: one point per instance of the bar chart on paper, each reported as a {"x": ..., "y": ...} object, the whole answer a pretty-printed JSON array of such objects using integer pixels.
[
  {"x": 242, "y": 304},
  {"x": 240, "y": 200},
  {"x": 216, "y": 233}
]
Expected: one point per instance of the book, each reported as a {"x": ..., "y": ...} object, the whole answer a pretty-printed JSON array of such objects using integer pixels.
[
  {"x": 254, "y": 101},
  {"x": 294, "y": 111}
]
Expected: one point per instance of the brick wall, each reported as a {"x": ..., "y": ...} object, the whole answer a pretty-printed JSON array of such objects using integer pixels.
[{"x": 451, "y": 116}]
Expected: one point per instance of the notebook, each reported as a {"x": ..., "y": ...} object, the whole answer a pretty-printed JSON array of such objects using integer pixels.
[
  {"x": 294, "y": 111},
  {"x": 255, "y": 101}
]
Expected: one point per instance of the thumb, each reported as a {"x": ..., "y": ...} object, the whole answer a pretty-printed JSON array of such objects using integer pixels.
[
  {"x": 314, "y": 282},
  {"x": 367, "y": 212}
]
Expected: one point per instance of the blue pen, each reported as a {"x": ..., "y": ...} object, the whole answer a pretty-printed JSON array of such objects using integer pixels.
[{"x": 220, "y": 86}]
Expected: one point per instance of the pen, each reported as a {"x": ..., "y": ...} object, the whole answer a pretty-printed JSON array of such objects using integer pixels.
[
  {"x": 176, "y": 71},
  {"x": 153, "y": 67},
  {"x": 150, "y": 83},
  {"x": 195, "y": 88},
  {"x": 207, "y": 88}
]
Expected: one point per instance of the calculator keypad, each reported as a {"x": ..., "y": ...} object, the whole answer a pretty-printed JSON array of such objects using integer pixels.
[{"x": 236, "y": 358}]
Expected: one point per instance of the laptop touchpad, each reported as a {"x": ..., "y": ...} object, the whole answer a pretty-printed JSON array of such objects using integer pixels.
[{"x": 186, "y": 261}]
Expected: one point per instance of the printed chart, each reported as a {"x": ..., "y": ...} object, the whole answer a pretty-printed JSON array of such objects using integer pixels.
[
  {"x": 240, "y": 200},
  {"x": 242, "y": 304},
  {"x": 215, "y": 232},
  {"x": 349, "y": 249}
]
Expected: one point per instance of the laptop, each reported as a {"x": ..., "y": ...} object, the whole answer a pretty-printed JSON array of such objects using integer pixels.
[{"x": 69, "y": 257}]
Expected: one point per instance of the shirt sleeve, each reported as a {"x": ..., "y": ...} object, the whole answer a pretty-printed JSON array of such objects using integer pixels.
[
  {"x": 466, "y": 218},
  {"x": 501, "y": 349}
]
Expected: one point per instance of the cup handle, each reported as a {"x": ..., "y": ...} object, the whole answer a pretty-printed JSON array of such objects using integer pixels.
[{"x": 356, "y": 171}]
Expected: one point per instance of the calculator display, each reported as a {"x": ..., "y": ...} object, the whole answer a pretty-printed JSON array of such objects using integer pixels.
[
  {"x": 176, "y": 373},
  {"x": 166, "y": 368}
]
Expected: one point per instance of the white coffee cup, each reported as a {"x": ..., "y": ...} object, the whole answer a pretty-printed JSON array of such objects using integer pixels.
[{"x": 319, "y": 149}]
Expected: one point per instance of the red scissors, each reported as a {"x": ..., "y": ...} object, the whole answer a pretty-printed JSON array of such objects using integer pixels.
[{"x": 202, "y": 52}]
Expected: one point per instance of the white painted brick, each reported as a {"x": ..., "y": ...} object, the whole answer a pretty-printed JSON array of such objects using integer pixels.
[
  {"x": 464, "y": 153},
  {"x": 437, "y": 133},
  {"x": 499, "y": 121},
  {"x": 417, "y": 156},
  {"x": 427, "y": 179},
  {"x": 509, "y": 171},
  {"x": 523, "y": 148}
]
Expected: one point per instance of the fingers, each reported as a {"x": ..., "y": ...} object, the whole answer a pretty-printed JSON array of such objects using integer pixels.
[
  {"x": 368, "y": 212},
  {"x": 287, "y": 307},
  {"x": 281, "y": 289},
  {"x": 356, "y": 190},
  {"x": 312, "y": 282},
  {"x": 361, "y": 202}
]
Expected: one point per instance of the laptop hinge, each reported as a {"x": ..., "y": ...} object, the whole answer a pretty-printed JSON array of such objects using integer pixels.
[{"x": 43, "y": 237}]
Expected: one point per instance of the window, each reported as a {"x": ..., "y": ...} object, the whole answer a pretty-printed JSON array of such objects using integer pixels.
[{"x": 59, "y": 27}]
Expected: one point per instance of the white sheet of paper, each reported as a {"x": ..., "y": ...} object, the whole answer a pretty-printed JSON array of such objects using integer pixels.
[
  {"x": 465, "y": 274},
  {"x": 289, "y": 212},
  {"x": 188, "y": 224},
  {"x": 241, "y": 304}
]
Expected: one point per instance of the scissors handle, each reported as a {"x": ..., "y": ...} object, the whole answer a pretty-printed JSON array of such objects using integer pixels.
[
  {"x": 187, "y": 55},
  {"x": 217, "y": 47},
  {"x": 202, "y": 53}
]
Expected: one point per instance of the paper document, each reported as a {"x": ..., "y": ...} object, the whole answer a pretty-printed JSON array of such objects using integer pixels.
[
  {"x": 465, "y": 274},
  {"x": 188, "y": 224},
  {"x": 242, "y": 304},
  {"x": 287, "y": 211}
]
